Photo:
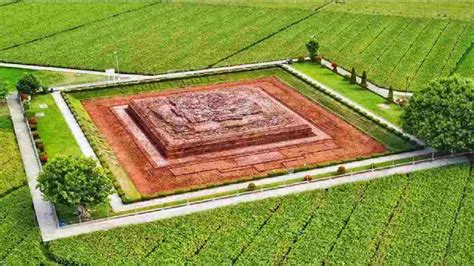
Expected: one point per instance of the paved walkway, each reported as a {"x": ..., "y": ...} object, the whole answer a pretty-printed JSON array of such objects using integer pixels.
[
  {"x": 45, "y": 213},
  {"x": 76, "y": 130},
  {"x": 107, "y": 224},
  {"x": 176, "y": 75}
]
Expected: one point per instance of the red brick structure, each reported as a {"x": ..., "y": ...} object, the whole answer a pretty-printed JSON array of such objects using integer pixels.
[{"x": 195, "y": 136}]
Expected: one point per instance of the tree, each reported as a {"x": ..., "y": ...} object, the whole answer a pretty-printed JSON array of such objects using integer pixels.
[
  {"x": 313, "y": 47},
  {"x": 390, "y": 95},
  {"x": 28, "y": 84},
  {"x": 353, "y": 79},
  {"x": 364, "y": 79},
  {"x": 442, "y": 114},
  {"x": 75, "y": 182},
  {"x": 3, "y": 91}
]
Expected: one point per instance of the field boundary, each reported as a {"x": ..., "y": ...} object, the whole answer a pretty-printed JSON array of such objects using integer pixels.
[
  {"x": 463, "y": 57},
  {"x": 315, "y": 11}
]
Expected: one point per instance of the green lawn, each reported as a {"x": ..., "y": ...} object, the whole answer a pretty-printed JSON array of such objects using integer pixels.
[
  {"x": 47, "y": 78},
  {"x": 52, "y": 128},
  {"x": 356, "y": 93},
  {"x": 12, "y": 175}
]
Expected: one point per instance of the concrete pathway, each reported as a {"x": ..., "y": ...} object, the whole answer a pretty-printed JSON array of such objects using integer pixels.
[
  {"x": 118, "y": 206},
  {"x": 76, "y": 130},
  {"x": 45, "y": 213},
  {"x": 107, "y": 224},
  {"x": 176, "y": 75}
]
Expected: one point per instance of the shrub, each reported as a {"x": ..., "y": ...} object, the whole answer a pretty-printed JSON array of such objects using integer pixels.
[
  {"x": 313, "y": 47},
  {"x": 32, "y": 121},
  {"x": 301, "y": 58},
  {"x": 403, "y": 102},
  {"x": 390, "y": 95},
  {"x": 3, "y": 91},
  {"x": 35, "y": 134},
  {"x": 28, "y": 84},
  {"x": 334, "y": 66},
  {"x": 318, "y": 59},
  {"x": 363, "y": 81},
  {"x": 308, "y": 178},
  {"x": 75, "y": 182},
  {"x": 43, "y": 158},
  {"x": 44, "y": 89},
  {"x": 442, "y": 114},
  {"x": 34, "y": 126},
  {"x": 341, "y": 170},
  {"x": 24, "y": 97},
  {"x": 40, "y": 147},
  {"x": 252, "y": 187},
  {"x": 353, "y": 78}
]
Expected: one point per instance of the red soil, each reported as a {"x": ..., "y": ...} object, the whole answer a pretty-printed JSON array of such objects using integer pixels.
[{"x": 163, "y": 161}]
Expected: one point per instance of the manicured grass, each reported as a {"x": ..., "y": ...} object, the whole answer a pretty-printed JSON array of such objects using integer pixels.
[
  {"x": 47, "y": 78},
  {"x": 392, "y": 141},
  {"x": 59, "y": 141},
  {"x": 356, "y": 93},
  {"x": 12, "y": 175},
  {"x": 355, "y": 223},
  {"x": 52, "y": 128}
]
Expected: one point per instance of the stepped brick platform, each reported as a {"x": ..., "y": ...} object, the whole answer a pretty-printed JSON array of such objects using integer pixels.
[
  {"x": 192, "y": 123},
  {"x": 196, "y": 136}
]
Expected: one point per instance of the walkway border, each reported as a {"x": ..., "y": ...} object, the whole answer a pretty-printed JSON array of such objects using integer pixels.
[{"x": 165, "y": 213}]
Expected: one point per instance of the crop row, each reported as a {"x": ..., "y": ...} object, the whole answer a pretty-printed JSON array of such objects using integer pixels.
[
  {"x": 422, "y": 225},
  {"x": 395, "y": 220},
  {"x": 19, "y": 233},
  {"x": 43, "y": 19},
  {"x": 158, "y": 38},
  {"x": 11, "y": 173},
  {"x": 388, "y": 48}
]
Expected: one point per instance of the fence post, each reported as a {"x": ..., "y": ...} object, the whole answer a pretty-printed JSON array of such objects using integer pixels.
[{"x": 432, "y": 155}]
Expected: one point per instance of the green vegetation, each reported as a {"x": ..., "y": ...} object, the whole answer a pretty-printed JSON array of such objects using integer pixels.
[
  {"x": 52, "y": 128},
  {"x": 192, "y": 37},
  {"x": 356, "y": 93},
  {"x": 443, "y": 114},
  {"x": 75, "y": 181},
  {"x": 393, "y": 142},
  {"x": 357, "y": 223},
  {"x": 462, "y": 10},
  {"x": 47, "y": 78},
  {"x": 395, "y": 51},
  {"x": 47, "y": 19},
  {"x": 11, "y": 174},
  {"x": 403, "y": 52}
]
